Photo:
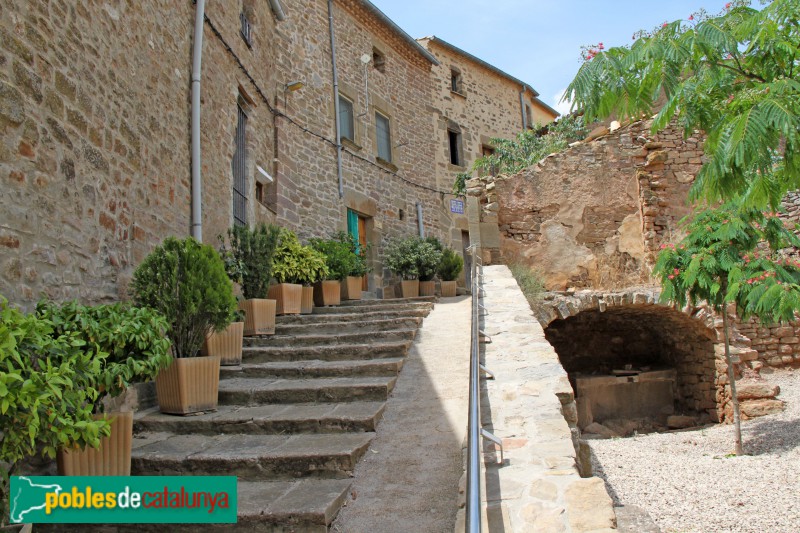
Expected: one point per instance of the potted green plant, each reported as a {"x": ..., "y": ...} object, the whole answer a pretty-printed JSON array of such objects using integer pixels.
[
  {"x": 449, "y": 268},
  {"x": 227, "y": 344},
  {"x": 313, "y": 269},
  {"x": 428, "y": 257},
  {"x": 287, "y": 269},
  {"x": 352, "y": 283},
  {"x": 50, "y": 387},
  {"x": 186, "y": 282},
  {"x": 254, "y": 250},
  {"x": 135, "y": 349},
  {"x": 339, "y": 261},
  {"x": 402, "y": 258}
]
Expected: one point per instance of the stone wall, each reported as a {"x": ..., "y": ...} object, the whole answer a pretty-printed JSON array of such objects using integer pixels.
[
  {"x": 592, "y": 215},
  {"x": 95, "y": 112}
]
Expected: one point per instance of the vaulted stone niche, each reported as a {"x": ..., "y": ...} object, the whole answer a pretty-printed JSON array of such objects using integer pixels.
[{"x": 633, "y": 358}]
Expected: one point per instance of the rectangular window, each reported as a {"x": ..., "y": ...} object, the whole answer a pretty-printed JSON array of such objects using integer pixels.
[
  {"x": 528, "y": 117},
  {"x": 378, "y": 60},
  {"x": 239, "y": 167},
  {"x": 454, "y": 142},
  {"x": 455, "y": 81},
  {"x": 246, "y": 30},
  {"x": 486, "y": 151},
  {"x": 384, "y": 137},
  {"x": 346, "y": 122}
]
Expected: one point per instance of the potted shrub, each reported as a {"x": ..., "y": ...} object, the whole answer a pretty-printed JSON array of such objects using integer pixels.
[
  {"x": 313, "y": 269},
  {"x": 227, "y": 344},
  {"x": 254, "y": 250},
  {"x": 287, "y": 267},
  {"x": 186, "y": 282},
  {"x": 135, "y": 349},
  {"x": 402, "y": 259},
  {"x": 49, "y": 387},
  {"x": 339, "y": 261},
  {"x": 449, "y": 268},
  {"x": 428, "y": 257},
  {"x": 351, "y": 284}
]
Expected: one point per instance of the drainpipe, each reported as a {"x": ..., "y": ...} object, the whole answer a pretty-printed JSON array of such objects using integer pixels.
[
  {"x": 419, "y": 221},
  {"x": 522, "y": 107},
  {"x": 197, "y": 182},
  {"x": 336, "y": 102},
  {"x": 277, "y": 8}
]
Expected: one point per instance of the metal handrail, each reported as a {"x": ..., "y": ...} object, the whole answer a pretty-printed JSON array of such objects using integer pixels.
[
  {"x": 473, "y": 511},
  {"x": 474, "y": 429}
]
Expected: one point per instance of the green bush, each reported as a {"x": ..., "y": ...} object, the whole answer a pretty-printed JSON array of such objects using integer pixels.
[
  {"x": 295, "y": 263},
  {"x": 450, "y": 265},
  {"x": 413, "y": 257},
  {"x": 339, "y": 257},
  {"x": 47, "y": 391},
  {"x": 186, "y": 282},
  {"x": 133, "y": 338},
  {"x": 253, "y": 251}
]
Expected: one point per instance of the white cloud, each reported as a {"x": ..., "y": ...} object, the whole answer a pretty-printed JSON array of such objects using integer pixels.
[{"x": 558, "y": 105}]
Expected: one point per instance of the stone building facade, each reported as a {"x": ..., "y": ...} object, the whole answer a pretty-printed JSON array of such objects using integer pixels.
[
  {"x": 95, "y": 109},
  {"x": 474, "y": 102}
]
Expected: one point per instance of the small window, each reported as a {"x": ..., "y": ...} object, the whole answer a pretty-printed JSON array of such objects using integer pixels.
[
  {"x": 260, "y": 192},
  {"x": 528, "y": 117},
  {"x": 455, "y": 81},
  {"x": 486, "y": 151},
  {"x": 378, "y": 60},
  {"x": 384, "y": 137},
  {"x": 346, "y": 122},
  {"x": 246, "y": 30},
  {"x": 454, "y": 142},
  {"x": 239, "y": 167}
]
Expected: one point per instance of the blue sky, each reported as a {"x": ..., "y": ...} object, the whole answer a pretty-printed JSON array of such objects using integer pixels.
[{"x": 537, "y": 41}]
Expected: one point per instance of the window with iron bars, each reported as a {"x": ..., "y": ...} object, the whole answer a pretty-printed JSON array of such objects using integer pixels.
[{"x": 247, "y": 30}]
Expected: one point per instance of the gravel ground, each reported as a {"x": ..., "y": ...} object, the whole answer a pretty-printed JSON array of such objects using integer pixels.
[{"x": 687, "y": 484}]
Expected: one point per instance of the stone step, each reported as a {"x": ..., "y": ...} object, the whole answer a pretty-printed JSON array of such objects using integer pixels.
[
  {"x": 255, "y": 391},
  {"x": 337, "y": 352},
  {"x": 269, "y": 419},
  {"x": 319, "y": 328},
  {"x": 250, "y": 457},
  {"x": 389, "y": 366},
  {"x": 298, "y": 506},
  {"x": 329, "y": 339},
  {"x": 381, "y": 306},
  {"x": 387, "y": 301},
  {"x": 352, "y": 315}
]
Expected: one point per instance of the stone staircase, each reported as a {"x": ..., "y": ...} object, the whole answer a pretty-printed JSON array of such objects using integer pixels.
[{"x": 295, "y": 417}]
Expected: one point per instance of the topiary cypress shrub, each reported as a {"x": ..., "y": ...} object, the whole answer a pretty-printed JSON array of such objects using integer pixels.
[
  {"x": 254, "y": 250},
  {"x": 450, "y": 265},
  {"x": 186, "y": 282}
]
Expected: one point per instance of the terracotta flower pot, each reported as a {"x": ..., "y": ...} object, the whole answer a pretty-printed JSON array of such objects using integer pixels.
[
  {"x": 259, "y": 316},
  {"x": 188, "y": 385},
  {"x": 327, "y": 293},
  {"x": 448, "y": 289},
  {"x": 351, "y": 288},
  {"x": 111, "y": 458},
  {"x": 288, "y": 297},
  {"x": 307, "y": 301},
  {"x": 227, "y": 344},
  {"x": 410, "y": 288},
  {"x": 427, "y": 288}
]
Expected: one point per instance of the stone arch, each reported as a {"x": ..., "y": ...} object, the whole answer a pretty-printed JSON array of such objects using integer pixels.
[{"x": 595, "y": 333}]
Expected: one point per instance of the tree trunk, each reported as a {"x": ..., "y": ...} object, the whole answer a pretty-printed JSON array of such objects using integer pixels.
[{"x": 737, "y": 423}]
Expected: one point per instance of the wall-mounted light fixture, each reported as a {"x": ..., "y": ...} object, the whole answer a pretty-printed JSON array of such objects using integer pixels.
[{"x": 293, "y": 86}]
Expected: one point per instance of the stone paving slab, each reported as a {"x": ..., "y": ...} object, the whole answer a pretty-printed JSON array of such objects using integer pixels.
[
  {"x": 340, "y": 337},
  {"x": 528, "y": 406},
  {"x": 249, "y": 391},
  {"x": 319, "y": 317},
  {"x": 355, "y": 325}
]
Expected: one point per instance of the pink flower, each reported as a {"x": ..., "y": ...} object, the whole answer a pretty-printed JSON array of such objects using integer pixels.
[
  {"x": 671, "y": 276},
  {"x": 691, "y": 17},
  {"x": 664, "y": 25},
  {"x": 600, "y": 46},
  {"x": 728, "y": 5}
]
